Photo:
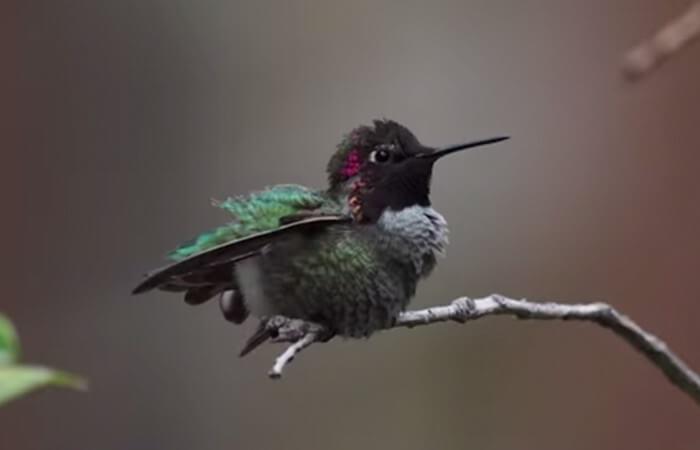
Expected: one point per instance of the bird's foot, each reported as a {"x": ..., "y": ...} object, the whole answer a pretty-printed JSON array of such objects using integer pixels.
[
  {"x": 292, "y": 330},
  {"x": 285, "y": 329},
  {"x": 299, "y": 333}
]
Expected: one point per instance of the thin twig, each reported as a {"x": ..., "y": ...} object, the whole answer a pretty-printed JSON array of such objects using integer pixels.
[
  {"x": 653, "y": 348},
  {"x": 669, "y": 40},
  {"x": 464, "y": 309},
  {"x": 288, "y": 355}
]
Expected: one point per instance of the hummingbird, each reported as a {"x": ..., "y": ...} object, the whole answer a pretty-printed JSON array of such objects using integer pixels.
[{"x": 347, "y": 257}]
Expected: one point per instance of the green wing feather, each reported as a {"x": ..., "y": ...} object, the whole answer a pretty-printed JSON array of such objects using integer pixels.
[{"x": 255, "y": 213}]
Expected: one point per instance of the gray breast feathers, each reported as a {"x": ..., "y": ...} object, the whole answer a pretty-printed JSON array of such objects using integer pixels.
[{"x": 416, "y": 234}]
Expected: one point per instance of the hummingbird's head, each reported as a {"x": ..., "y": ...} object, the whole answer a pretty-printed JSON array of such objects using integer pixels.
[{"x": 385, "y": 166}]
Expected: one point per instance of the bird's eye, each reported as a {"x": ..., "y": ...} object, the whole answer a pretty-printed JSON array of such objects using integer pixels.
[{"x": 380, "y": 156}]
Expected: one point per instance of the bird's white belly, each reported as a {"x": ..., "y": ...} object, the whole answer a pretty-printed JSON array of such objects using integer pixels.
[{"x": 249, "y": 278}]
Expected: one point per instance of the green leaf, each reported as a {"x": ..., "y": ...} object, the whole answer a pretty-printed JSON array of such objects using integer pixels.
[
  {"x": 19, "y": 380},
  {"x": 9, "y": 342}
]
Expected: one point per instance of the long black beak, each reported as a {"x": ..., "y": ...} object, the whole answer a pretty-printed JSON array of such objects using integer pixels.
[{"x": 455, "y": 148}]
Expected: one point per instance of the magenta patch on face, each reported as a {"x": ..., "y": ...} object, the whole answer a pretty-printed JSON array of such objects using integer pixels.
[{"x": 352, "y": 164}]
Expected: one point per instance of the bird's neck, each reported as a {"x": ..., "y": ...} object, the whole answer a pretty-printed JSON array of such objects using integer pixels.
[{"x": 416, "y": 234}]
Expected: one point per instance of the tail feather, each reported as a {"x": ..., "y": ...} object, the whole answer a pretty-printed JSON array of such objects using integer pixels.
[{"x": 262, "y": 334}]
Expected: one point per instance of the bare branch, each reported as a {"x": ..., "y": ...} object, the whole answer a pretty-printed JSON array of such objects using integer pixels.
[
  {"x": 463, "y": 309},
  {"x": 653, "y": 348},
  {"x": 289, "y": 354},
  {"x": 669, "y": 40}
]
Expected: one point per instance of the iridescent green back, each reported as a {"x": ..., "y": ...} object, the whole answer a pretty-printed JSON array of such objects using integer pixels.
[{"x": 254, "y": 213}]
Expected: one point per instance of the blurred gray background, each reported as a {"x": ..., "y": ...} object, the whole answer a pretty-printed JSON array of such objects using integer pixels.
[{"x": 121, "y": 119}]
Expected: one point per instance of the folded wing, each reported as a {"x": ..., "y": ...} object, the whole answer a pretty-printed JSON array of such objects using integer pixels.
[
  {"x": 211, "y": 266},
  {"x": 204, "y": 266}
]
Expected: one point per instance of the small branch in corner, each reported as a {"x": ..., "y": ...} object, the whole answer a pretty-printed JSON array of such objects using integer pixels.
[{"x": 669, "y": 40}]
